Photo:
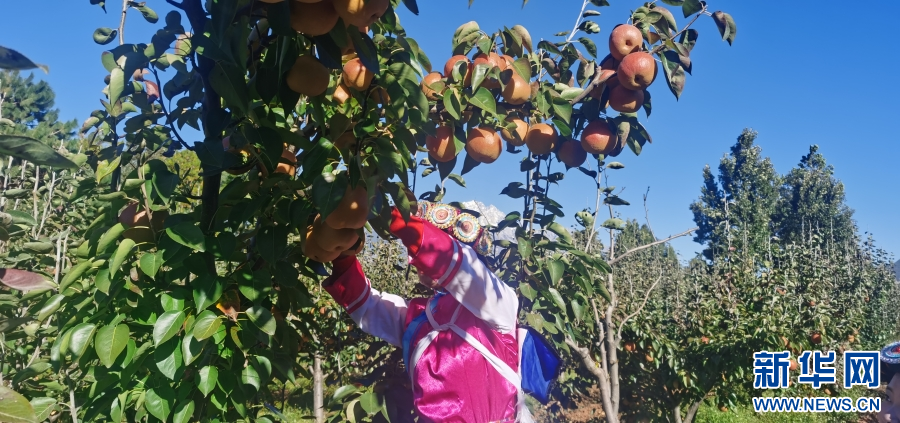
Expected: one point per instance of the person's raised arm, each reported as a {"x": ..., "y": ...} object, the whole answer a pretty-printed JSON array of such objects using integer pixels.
[
  {"x": 378, "y": 314},
  {"x": 457, "y": 268}
]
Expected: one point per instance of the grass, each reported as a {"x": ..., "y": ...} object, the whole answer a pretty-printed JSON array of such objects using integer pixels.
[{"x": 711, "y": 414}]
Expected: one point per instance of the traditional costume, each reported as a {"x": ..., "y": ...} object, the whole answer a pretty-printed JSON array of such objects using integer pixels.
[{"x": 461, "y": 347}]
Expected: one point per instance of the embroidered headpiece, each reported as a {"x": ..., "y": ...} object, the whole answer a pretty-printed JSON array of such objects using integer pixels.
[{"x": 460, "y": 224}]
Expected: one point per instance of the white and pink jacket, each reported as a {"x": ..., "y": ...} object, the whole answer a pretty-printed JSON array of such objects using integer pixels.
[{"x": 460, "y": 347}]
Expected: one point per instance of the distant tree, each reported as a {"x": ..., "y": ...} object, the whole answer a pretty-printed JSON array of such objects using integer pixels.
[
  {"x": 736, "y": 209},
  {"x": 26, "y": 108},
  {"x": 812, "y": 198}
]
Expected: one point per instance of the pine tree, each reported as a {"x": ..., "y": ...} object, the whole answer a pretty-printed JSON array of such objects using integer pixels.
[
  {"x": 26, "y": 108},
  {"x": 812, "y": 199},
  {"x": 736, "y": 209}
]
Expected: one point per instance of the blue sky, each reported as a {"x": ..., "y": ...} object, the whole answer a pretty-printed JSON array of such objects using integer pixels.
[{"x": 817, "y": 73}]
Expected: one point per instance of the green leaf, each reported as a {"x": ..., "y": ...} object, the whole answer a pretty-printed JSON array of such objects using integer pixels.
[
  {"x": 562, "y": 108},
  {"x": 147, "y": 12},
  {"x": 34, "y": 151},
  {"x": 14, "y": 408},
  {"x": 117, "y": 80},
  {"x": 206, "y": 325},
  {"x": 38, "y": 247},
  {"x": 560, "y": 230},
  {"x": 614, "y": 223},
  {"x": 158, "y": 401},
  {"x": 73, "y": 274},
  {"x": 183, "y": 412},
  {"x": 615, "y": 165},
  {"x": 557, "y": 298},
  {"x": 371, "y": 402},
  {"x": 366, "y": 51},
  {"x": 484, "y": 100},
  {"x": 110, "y": 342},
  {"x": 206, "y": 379},
  {"x": 191, "y": 348},
  {"x": 81, "y": 338},
  {"x": 614, "y": 200},
  {"x": 122, "y": 253},
  {"x": 13, "y": 60},
  {"x": 105, "y": 35},
  {"x": 109, "y": 237},
  {"x": 588, "y": 44},
  {"x": 166, "y": 326},
  {"x": 675, "y": 76},
  {"x": 726, "y": 25},
  {"x": 230, "y": 84},
  {"x": 187, "y": 234},
  {"x": 524, "y": 247},
  {"x": 50, "y": 307},
  {"x": 43, "y": 406},
  {"x": 341, "y": 393},
  {"x": 106, "y": 168},
  {"x": 207, "y": 290},
  {"x": 527, "y": 291},
  {"x": 262, "y": 318},
  {"x": 555, "y": 270},
  {"x": 452, "y": 103},
  {"x": 249, "y": 376},
  {"x": 168, "y": 359},
  {"x": 328, "y": 190},
  {"x": 271, "y": 242},
  {"x": 150, "y": 263},
  {"x": 689, "y": 7},
  {"x": 458, "y": 179}
]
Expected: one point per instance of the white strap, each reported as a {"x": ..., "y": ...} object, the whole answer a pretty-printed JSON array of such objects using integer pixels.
[{"x": 523, "y": 415}]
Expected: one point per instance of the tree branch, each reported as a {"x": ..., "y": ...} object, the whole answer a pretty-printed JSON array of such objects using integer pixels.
[
  {"x": 644, "y": 247},
  {"x": 640, "y": 308},
  {"x": 122, "y": 22}
]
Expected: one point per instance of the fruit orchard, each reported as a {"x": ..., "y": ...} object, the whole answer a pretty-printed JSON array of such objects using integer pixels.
[{"x": 167, "y": 279}]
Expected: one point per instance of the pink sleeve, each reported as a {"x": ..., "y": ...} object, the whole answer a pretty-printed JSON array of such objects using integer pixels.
[
  {"x": 466, "y": 278},
  {"x": 378, "y": 314}
]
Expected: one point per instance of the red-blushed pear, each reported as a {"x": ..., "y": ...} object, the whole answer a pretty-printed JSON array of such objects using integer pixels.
[
  {"x": 312, "y": 249},
  {"x": 361, "y": 12},
  {"x": 441, "y": 147},
  {"x": 332, "y": 239},
  {"x": 624, "y": 40},
  {"x": 483, "y": 145},
  {"x": 451, "y": 63},
  {"x": 359, "y": 247},
  {"x": 341, "y": 94},
  {"x": 290, "y": 167},
  {"x": 493, "y": 60},
  {"x": 308, "y": 76},
  {"x": 346, "y": 140},
  {"x": 313, "y": 19},
  {"x": 427, "y": 81},
  {"x": 541, "y": 138},
  {"x": 598, "y": 137},
  {"x": 571, "y": 153},
  {"x": 637, "y": 71},
  {"x": 356, "y": 76},
  {"x": 515, "y": 137},
  {"x": 517, "y": 90},
  {"x": 624, "y": 100},
  {"x": 352, "y": 211},
  {"x": 815, "y": 338}
]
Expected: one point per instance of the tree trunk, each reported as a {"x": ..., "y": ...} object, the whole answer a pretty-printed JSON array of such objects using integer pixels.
[
  {"x": 318, "y": 389},
  {"x": 692, "y": 412}
]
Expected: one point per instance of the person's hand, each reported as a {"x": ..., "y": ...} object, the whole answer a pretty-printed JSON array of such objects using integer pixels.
[{"x": 410, "y": 233}]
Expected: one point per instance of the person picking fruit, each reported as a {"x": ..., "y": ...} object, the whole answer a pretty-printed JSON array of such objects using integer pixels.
[{"x": 462, "y": 346}]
